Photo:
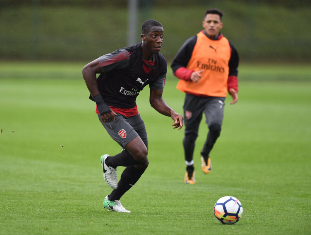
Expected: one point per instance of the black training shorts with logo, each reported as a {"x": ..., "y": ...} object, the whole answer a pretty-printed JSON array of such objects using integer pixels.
[
  {"x": 194, "y": 107},
  {"x": 124, "y": 129}
]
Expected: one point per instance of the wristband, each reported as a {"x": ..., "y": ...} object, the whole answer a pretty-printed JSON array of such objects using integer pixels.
[{"x": 102, "y": 107}]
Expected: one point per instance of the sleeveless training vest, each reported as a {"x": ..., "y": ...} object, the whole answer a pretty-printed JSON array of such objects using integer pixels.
[{"x": 211, "y": 56}]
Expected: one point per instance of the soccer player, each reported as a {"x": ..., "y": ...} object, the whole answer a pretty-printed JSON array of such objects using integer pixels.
[
  {"x": 206, "y": 66},
  {"x": 123, "y": 74}
]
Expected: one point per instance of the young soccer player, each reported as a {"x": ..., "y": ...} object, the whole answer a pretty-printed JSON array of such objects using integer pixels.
[
  {"x": 207, "y": 66},
  {"x": 123, "y": 74}
]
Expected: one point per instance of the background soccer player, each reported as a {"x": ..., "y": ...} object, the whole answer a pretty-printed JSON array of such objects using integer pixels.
[
  {"x": 207, "y": 68},
  {"x": 123, "y": 74}
]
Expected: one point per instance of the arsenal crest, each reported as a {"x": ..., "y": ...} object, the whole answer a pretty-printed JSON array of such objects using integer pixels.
[
  {"x": 188, "y": 114},
  {"x": 122, "y": 133}
]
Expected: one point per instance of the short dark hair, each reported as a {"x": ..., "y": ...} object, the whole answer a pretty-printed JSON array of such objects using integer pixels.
[
  {"x": 145, "y": 27},
  {"x": 214, "y": 11}
]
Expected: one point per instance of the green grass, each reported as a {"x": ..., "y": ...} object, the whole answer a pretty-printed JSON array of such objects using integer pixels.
[{"x": 51, "y": 142}]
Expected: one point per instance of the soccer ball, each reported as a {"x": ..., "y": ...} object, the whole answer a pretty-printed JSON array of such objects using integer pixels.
[{"x": 228, "y": 210}]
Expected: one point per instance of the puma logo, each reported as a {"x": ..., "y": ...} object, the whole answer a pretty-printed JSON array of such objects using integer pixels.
[
  {"x": 140, "y": 81},
  {"x": 213, "y": 48},
  {"x": 221, "y": 103}
]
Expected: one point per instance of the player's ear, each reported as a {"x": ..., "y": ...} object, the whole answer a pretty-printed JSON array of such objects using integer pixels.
[{"x": 143, "y": 37}]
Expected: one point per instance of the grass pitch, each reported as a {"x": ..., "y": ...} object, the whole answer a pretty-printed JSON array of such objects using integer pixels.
[{"x": 51, "y": 143}]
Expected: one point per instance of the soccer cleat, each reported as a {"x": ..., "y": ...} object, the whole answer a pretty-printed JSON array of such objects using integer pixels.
[
  {"x": 189, "y": 181},
  {"x": 110, "y": 173},
  {"x": 206, "y": 168},
  {"x": 114, "y": 205},
  {"x": 190, "y": 172}
]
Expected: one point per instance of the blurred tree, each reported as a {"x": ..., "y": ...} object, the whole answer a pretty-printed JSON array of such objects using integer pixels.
[{"x": 79, "y": 30}]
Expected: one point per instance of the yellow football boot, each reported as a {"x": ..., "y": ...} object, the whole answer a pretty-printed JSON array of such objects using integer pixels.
[{"x": 206, "y": 168}]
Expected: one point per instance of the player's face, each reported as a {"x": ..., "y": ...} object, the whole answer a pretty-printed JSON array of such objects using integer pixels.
[
  {"x": 212, "y": 24},
  {"x": 152, "y": 42}
]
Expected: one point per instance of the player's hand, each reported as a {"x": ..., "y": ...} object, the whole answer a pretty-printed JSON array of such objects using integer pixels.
[
  {"x": 108, "y": 117},
  {"x": 234, "y": 95},
  {"x": 178, "y": 120},
  {"x": 196, "y": 76}
]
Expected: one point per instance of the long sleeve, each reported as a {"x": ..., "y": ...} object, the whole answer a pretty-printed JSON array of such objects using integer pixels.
[
  {"x": 182, "y": 58},
  {"x": 233, "y": 69}
]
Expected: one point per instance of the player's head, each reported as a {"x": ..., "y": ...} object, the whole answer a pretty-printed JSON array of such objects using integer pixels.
[
  {"x": 152, "y": 34},
  {"x": 214, "y": 11},
  {"x": 212, "y": 22},
  {"x": 145, "y": 27}
]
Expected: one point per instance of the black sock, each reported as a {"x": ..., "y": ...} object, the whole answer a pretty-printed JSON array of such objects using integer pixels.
[
  {"x": 128, "y": 178},
  {"x": 122, "y": 159},
  {"x": 190, "y": 170},
  {"x": 205, "y": 156}
]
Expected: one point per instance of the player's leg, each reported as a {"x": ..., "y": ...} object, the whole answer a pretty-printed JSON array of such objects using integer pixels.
[
  {"x": 214, "y": 112},
  {"x": 193, "y": 115},
  {"x": 129, "y": 156},
  {"x": 135, "y": 153},
  {"x": 123, "y": 133},
  {"x": 130, "y": 175},
  {"x": 138, "y": 149},
  {"x": 134, "y": 156}
]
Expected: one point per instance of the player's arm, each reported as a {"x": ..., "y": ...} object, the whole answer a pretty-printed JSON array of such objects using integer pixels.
[
  {"x": 157, "y": 102},
  {"x": 117, "y": 59},
  {"x": 233, "y": 74},
  {"x": 182, "y": 59},
  {"x": 89, "y": 72}
]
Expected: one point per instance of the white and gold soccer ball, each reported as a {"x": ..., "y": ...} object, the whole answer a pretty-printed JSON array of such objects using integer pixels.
[{"x": 228, "y": 210}]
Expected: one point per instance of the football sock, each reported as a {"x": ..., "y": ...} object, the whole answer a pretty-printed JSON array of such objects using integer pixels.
[
  {"x": 122, "y": 159},
  {"x": 205, "y": 157},
  {"x": 190, "y": 170},
  {"x": 128, "y": 178},
  {"x": 189, "y": 163}
]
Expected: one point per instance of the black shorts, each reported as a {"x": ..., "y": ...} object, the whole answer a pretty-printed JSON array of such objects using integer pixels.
[
  {"x": 194, "y": 107},
  {"x": 124, "y": 129}
]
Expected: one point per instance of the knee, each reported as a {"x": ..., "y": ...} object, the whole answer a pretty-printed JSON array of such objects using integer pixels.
[
  {"x": 215, "y": 129},
  {"x": 140, "y": 155},
  {"x": 145, "y": 163},
  {"x": 190, "y": 137}
]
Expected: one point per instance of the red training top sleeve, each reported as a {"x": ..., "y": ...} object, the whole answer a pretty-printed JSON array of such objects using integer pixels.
[
  {"x": 183, "y": 73},
  {"x": 233, "y": 83},
  {"x": 233, "y": 68}
]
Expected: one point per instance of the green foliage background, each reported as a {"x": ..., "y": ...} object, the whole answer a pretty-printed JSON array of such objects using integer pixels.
[{"x": 264, "y": 31}]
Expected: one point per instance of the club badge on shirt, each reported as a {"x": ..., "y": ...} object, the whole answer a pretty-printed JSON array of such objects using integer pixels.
[
  {"x": 188, "y": 114},
  {"x": 122, "y": 133}
]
